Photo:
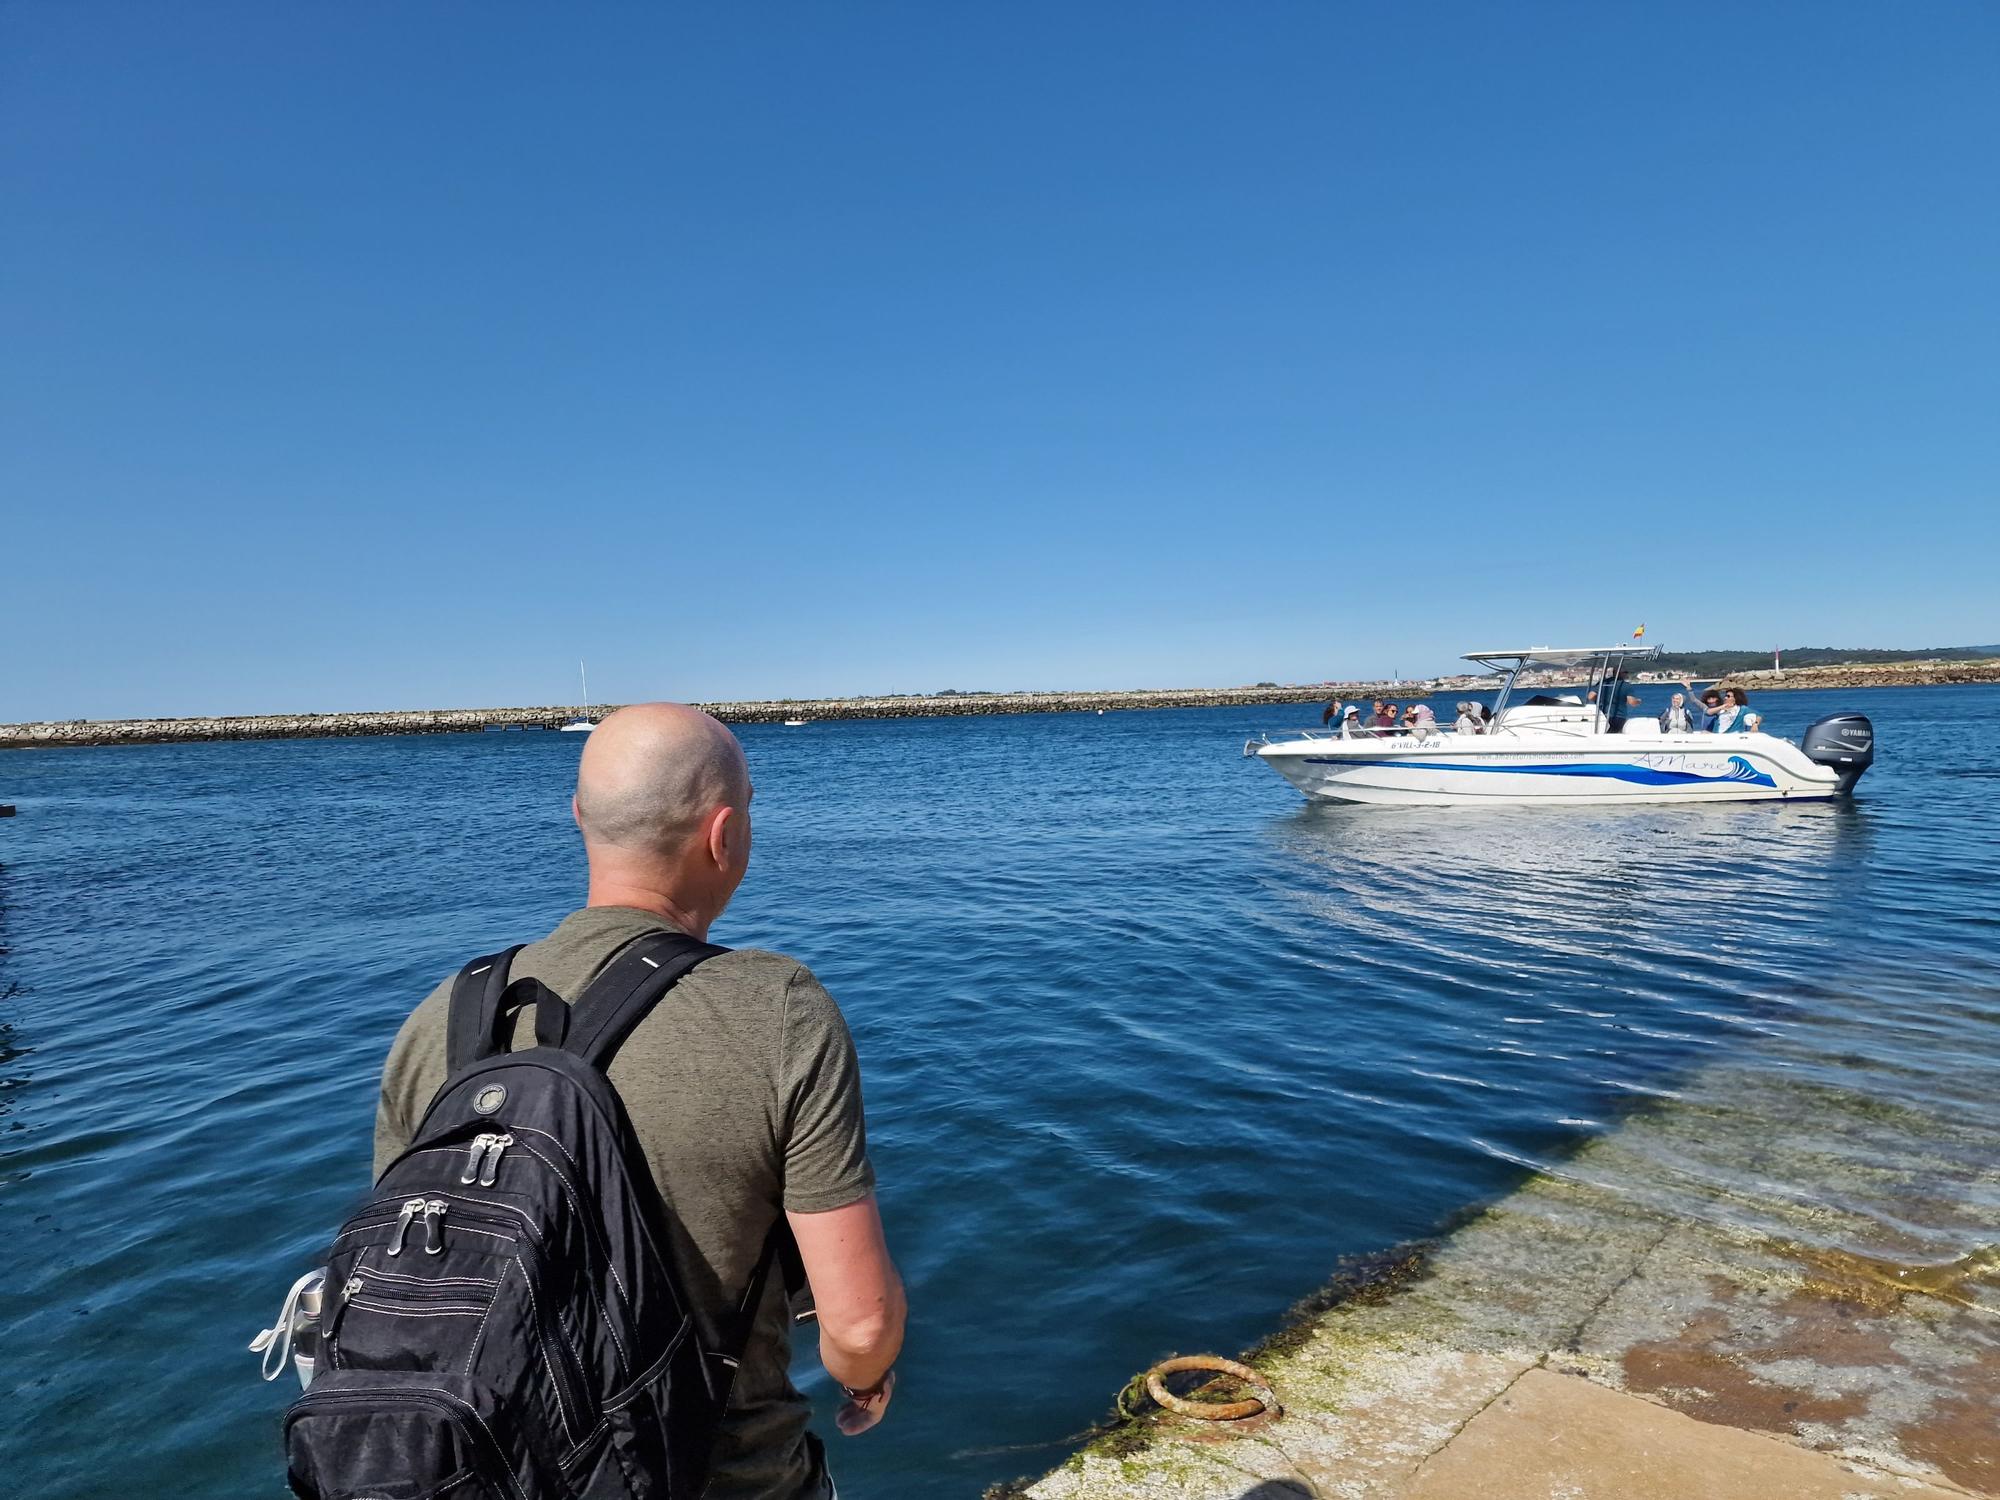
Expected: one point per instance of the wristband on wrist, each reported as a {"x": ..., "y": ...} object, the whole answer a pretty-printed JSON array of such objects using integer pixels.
[{"x": 870, "y": 1393}]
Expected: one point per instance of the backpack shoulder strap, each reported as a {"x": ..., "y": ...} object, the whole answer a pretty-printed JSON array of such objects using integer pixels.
[
  {"x": 474, "y": 1018},
  {"x": 629, "y": 986}
]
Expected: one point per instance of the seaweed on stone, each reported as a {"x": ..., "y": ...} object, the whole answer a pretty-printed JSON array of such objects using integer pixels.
[{"x": 1364, "y": 1280}]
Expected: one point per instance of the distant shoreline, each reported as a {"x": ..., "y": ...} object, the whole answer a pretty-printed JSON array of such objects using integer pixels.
[{"x": 215, "y": 727}]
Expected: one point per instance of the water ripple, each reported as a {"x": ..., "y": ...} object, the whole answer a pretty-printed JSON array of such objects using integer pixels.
[{"x": 1148, "y": 1043}]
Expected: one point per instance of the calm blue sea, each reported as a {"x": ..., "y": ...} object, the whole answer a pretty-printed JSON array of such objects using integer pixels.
[{"x": 1149, "y": 1044}]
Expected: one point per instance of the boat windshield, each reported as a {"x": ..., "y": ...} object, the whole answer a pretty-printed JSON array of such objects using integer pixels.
[{"x": 1604, "y": 668}]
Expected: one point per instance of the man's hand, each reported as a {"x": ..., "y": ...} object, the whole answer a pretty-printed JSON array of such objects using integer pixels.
[{"x": 863, "y": 1409}]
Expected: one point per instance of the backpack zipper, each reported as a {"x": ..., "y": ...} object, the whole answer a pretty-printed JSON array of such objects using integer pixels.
[
  {"x": 378, "y": 1273},
  {"x": 478, "y": 1149},
  {"x": 405, "y": 1303},
  {"x": 489, "y": 1146},
  {"x": 411, "y": 1209},
  {"x": 492, "y": 1167},
  {"x": 434, "y": 1225}
]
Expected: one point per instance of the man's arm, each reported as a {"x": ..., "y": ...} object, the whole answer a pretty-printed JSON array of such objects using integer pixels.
[{"x": 860, "y": 1301}]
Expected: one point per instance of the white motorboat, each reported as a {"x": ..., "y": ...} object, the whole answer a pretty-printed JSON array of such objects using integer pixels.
[{"x": 1570, "y": 746}]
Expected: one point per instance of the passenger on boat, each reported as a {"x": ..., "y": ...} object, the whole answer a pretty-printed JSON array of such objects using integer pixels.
[
  {"x": 1350, "y": 723},
  {"x": 1711, "y": 705},
  {"x": 1678, "y": 717},
  {"x": 1420, "y": 721},
  {"x": 1385, "y": 717},
  {"x": 1468, "y": 721},
  {"x": 1731, "y": 715},
  {"x": 1331, "y": 712}
]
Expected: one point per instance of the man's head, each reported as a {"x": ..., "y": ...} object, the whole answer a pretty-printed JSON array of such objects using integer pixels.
[{"x": 663, "y": 800}]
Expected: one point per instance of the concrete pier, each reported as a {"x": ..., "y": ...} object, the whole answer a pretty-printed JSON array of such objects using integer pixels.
[{"x": 1772, "y": 1290}]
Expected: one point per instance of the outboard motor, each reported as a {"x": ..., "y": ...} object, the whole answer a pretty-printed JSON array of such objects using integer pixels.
[{"x": 1844, "y": 741}]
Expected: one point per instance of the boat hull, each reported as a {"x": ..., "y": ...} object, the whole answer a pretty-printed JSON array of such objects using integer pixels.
[{"x": 1450, "y": 769}]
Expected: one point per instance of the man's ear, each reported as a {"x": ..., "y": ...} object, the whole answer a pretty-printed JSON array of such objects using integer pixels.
[{"x": 724, "y": 828}]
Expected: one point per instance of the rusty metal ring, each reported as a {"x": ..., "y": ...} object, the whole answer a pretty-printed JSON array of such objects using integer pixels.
[{"x": 1261, "y": 1398}]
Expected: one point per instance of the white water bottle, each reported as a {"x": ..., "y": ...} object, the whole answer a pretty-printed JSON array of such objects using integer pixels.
[{"x": 296, "y": 1332}]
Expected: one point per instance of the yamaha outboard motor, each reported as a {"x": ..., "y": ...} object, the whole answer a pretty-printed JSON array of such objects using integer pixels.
[{"x": 1845, "y": 742}]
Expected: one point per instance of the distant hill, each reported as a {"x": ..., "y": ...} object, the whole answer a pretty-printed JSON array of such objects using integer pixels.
[{"x": 1722, "y": 663}]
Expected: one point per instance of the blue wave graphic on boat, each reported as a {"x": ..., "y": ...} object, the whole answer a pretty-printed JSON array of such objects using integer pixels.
[{"x": 1736, "y": 769}]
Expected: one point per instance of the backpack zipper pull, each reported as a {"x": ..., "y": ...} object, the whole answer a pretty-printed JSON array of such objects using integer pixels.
[
  {"x": 498, "y": 1144},
  {"x": 479, "y": 1145},
  {"x": 434, "y": 1225},
  {"x": 410, "y": 1210}
]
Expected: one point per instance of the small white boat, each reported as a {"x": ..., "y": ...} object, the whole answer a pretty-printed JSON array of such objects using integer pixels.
[
  {"x": 796, "y": 723},
  {"x": 1567, "y": 747},
  {"x": 582, "y": 723}
]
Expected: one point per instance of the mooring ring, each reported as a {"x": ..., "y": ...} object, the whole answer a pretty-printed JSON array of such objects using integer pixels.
[{"x": 1261, "y": 1398}]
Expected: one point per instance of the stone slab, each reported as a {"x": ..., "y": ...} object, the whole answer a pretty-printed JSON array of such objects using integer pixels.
[{"x": 1560, "y": 1437}]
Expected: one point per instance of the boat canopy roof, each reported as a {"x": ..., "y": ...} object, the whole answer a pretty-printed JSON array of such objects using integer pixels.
[{"x": 1559, "y": 657}]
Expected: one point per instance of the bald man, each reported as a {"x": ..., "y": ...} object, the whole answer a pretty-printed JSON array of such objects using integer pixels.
[{"x": 742, "y": 1087}]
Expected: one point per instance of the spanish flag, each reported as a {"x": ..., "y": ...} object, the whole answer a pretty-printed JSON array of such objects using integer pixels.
[{"x": 1638, "y": 633}]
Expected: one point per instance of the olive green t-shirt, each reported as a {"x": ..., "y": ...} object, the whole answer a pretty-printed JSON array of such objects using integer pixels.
[{"x": 745, "y": 1094}]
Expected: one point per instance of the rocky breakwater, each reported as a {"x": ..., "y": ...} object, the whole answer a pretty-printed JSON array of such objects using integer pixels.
[
  {"x": 1863, "y": 674},
  {"x": 72, "y": 732},
  {"x": 941, "y": 705},
  {"x": 274, "y": 726}
]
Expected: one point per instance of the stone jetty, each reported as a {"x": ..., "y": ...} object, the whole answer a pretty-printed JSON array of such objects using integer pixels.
[
  {"x": 473, "y": 720},
  {"x": 1869, "y": 674}
]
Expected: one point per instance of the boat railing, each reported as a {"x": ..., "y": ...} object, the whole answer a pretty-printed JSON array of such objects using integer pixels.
[{"x": 1332, "y": 734}]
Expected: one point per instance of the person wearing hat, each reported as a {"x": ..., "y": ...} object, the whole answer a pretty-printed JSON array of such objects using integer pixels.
[
  {"x": 1468, "y": 719},
  {"x": 1709, "y": 710}
]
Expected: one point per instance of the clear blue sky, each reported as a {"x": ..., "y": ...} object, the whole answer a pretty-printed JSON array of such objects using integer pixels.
[{"x": 401, "y": 354}]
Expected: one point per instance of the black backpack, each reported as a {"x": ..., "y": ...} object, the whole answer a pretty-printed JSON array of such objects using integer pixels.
[{"x": 500, "y": 1321}]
